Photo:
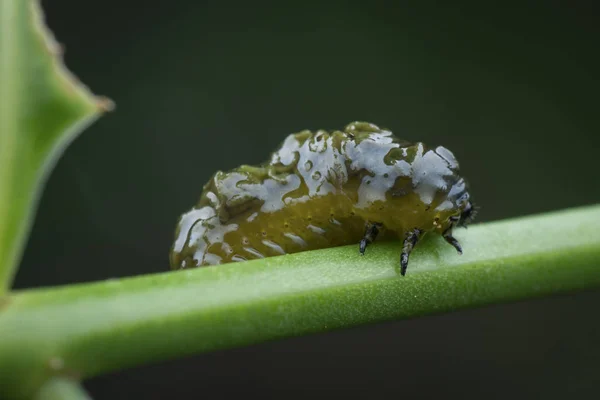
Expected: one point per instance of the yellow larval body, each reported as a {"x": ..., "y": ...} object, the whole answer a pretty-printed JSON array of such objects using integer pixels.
[{"x": 320, "y": 190}]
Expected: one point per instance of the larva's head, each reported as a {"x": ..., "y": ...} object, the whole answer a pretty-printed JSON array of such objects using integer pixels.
[
  {"x": 436, "y": 194},
  {"x": 468, "y": 214},
  {"x": 452, "y": 205}
]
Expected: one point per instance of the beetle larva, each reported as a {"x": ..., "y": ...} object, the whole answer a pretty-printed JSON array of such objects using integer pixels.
[{"x": 326, "y": 189}]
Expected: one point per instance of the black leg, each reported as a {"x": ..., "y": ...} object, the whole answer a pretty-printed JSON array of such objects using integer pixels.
[
  {"x": 410, "y": 241},
  {"x": 371, "y": 231},
  {"x": 447, "y": 235}
]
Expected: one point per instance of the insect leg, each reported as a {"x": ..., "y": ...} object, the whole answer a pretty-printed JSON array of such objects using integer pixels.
[
  {"x": 371, "y": 231},
  {"x": 447, "y": 235},
  {"x": 410, "y": 241}
]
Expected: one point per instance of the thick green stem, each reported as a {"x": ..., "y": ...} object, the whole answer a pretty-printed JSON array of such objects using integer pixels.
[{"x": 88, "y": 329}]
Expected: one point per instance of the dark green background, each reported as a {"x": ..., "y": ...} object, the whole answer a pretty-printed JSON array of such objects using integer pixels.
[{"x": 200, "y": 86}]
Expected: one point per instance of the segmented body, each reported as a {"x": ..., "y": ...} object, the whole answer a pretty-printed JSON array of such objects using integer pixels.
[{"x": 320, "y": 190}]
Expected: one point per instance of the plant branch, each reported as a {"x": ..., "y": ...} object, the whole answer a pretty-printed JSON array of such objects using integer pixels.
[{"x": 87, "y": 329}]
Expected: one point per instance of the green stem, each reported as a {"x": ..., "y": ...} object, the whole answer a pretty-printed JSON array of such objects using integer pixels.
[
  {"x": 88, "y": 329},
  {"x": 60, "y": 388}
]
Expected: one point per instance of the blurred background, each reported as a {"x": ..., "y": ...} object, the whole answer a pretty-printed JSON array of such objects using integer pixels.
[{"x": 207, "y": 85}]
